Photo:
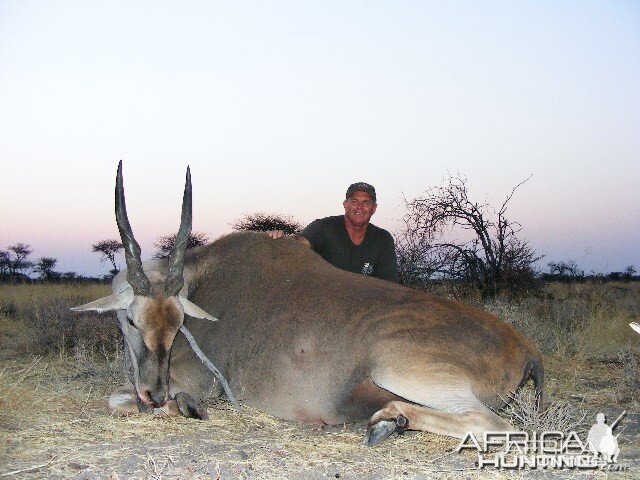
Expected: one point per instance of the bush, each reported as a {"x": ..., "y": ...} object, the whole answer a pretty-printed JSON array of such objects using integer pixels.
[{"x": 265, "y": 222}]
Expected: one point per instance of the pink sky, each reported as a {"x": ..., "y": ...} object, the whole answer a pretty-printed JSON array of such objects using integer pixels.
[{"x": 278, "y": 107}]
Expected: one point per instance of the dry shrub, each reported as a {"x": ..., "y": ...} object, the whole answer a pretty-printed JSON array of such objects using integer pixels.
[
  {"x": 524, "y": 412},
  {"x": 40, "y": 322}
]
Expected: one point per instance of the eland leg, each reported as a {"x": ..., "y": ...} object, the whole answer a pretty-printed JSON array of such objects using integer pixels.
[
  {"x": 439, "y": 399},
  {"x": 399, "y": 415},
  {"x": 125, "y": 401}
]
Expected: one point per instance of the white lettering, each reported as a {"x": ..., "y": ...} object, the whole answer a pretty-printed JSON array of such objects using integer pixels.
[
  {"x": 573, "y": 444},
  {"x": 474, "y": 443},
  {"x": 495, "y": 439},
  {"x": 494, "y": 461},
  {"x": 517, "y": 442}
]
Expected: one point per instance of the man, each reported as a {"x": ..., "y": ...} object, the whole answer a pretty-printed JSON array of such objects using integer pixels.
[{"x": 349, "y": 241}]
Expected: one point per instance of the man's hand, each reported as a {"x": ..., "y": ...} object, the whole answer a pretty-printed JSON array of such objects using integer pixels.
[{"x": 274, "y": 234}]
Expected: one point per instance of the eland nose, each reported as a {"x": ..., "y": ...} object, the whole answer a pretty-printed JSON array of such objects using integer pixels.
[{"x": 158, "y": 398}]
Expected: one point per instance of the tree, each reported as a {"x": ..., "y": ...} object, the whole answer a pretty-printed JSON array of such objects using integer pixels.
[
  {"x": 615, "y": 276},
  {"x": 264, "y": 222},
  {"x": 69, "y": 276},
  {"x": 629, "y": 272},
  {"x": 44, "y": 267},
  {"x": 4, "y": 263},
  {"x": 492, "y": 257},
  {"x": 166, "y": 242},
  {"x": 107, "y": 250},
  {"x": 16, "y": 259},
  {"x": 568, "y": 269}
]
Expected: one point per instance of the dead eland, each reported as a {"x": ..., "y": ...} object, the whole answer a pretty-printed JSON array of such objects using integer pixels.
[{"x": 305, "y": 341}]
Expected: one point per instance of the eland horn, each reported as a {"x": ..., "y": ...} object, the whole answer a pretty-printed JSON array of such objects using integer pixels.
[
  {"x": 135, "y": 275},
  {"x": 174, "y": 280}
]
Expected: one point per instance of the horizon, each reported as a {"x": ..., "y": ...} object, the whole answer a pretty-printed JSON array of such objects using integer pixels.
[{"x": 278, "y": 107}]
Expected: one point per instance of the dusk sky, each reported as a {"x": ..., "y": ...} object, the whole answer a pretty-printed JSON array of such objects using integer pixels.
[{"x": 278, "y": 106}]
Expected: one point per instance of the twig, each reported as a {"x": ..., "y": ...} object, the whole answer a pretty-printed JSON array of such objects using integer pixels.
[
  {"x": 451, "y": 470},
  {"x": 87, "y": 399},
  {"x": 209, "y": 365},
  {"x": 30, "y": 469},
  {"x": 153, "y": 468}
]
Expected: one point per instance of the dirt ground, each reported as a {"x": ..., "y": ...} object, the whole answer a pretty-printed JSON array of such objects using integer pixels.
[{"x": 53, "y": 424}]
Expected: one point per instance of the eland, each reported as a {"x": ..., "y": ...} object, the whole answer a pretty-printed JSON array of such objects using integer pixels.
[{"x": 302, "y": 340}]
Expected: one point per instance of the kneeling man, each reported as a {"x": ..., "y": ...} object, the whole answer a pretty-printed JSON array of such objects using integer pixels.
[{"x": 350, "y": 241}]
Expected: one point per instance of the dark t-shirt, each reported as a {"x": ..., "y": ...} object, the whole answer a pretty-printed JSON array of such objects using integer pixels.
[{"x": 375, "y": 256}]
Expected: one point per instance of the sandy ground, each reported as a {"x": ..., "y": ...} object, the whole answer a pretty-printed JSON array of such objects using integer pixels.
[{"x": 53, "y": 424}]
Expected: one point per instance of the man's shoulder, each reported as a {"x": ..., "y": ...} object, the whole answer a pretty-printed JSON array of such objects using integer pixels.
[
  {"x": 322, "y": 230},
  {"x": 332, "y": 221},
  {"x": 380, "y": 232}
]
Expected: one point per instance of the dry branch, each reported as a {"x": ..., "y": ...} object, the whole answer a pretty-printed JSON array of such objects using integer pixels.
[{"x": 209, "y": 365}]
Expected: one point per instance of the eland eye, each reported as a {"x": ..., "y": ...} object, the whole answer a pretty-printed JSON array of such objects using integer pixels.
[{"x": 130, "y": 322}]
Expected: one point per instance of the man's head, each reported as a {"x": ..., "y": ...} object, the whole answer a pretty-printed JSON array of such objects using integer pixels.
[{"x": 360, "y": 203}]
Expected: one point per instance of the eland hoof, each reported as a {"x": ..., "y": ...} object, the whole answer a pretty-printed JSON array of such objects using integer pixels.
[{"x": 379, "y": 432}]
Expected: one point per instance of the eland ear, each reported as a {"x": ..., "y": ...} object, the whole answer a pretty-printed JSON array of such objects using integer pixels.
[
  {"x": 194, "y": 311},
  {"x": 117, "y": 301}
]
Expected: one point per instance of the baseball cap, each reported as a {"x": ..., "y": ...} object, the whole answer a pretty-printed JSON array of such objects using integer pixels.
[{"x": 362, "y": 187}]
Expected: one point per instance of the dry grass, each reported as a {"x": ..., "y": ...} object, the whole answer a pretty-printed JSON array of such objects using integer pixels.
[
  {"x": 53, "y": 422},
  {"x": 36, "y": 320},
  {"x": 578, "y": 320},
  {"x": 628, "y": 371},
  {"x": 52, "y": 414},
  {"x": 23, "y": 294}
]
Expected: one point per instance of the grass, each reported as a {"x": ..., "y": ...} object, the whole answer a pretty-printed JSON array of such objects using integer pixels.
[
  {"x": 36, "y": 320},
  {"x": 57, "y": 369},
  {"x": 576, "y": 320}
]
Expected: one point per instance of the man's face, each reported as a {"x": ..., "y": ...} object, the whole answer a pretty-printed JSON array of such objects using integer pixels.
[{"x": 359, "y": 208}]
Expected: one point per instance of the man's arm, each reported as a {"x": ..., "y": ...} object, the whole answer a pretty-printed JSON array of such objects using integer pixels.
[
  {"x": 312, "y": 236},
  {"x": 275, "y": 234},
  {"x": 302, "y": 240}
]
